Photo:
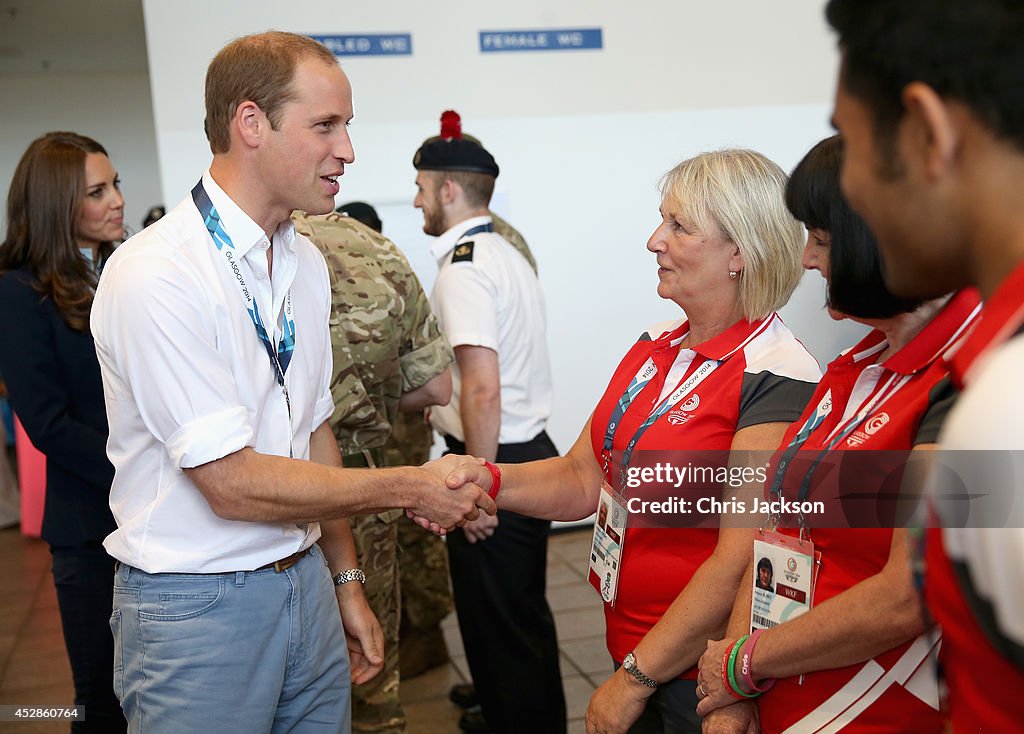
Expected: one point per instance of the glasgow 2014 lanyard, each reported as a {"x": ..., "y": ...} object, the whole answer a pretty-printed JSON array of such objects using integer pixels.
[
  {"x": 816, "y": 419},
  {"x": 280, "y": 357},
  {"x": 643, "y": 376}
]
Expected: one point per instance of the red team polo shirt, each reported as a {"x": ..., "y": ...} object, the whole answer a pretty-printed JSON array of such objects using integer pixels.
[
  {"x": 765, "y": 375},
  {"x": 974, "y": 575},
  {"x": 894, "y": 692}
]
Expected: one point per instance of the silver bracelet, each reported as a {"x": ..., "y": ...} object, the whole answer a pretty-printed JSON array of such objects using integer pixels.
[{"x": 352, "y": 574}]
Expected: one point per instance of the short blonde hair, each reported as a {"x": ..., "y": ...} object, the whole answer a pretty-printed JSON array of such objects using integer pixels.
[{"x": 743, "y": 193}]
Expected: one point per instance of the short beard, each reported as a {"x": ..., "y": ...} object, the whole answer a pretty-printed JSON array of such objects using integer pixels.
[{"x": 433, "y": 222}]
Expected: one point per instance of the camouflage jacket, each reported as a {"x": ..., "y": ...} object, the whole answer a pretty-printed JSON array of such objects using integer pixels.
[
  {"x": 385, "y": 339},
  {"x": 515, "y": 239}
]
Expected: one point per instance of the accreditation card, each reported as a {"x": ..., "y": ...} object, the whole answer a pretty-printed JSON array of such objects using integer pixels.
[
  {"x": 606, "y": 550},
  {"x": 785, "y": 571}
]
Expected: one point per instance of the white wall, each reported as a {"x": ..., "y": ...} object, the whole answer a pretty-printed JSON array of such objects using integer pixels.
[
  {"x": 113, "y": 108},
  {"x": 582, "y": 137}
]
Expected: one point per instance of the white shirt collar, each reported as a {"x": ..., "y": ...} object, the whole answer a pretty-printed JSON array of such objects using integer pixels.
[
  {"x": 446, "y": 242},
  {"x": 244, "y": 232}
]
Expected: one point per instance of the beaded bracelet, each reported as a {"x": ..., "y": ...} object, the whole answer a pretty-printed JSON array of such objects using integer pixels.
[
  {"x": 495, "y": 479},
  {"x": 734, "y": 687},
  {"x": 746, "y": 656}
]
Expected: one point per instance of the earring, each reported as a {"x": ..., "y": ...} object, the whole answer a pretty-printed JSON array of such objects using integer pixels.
[{"x": 733, "y": 274}]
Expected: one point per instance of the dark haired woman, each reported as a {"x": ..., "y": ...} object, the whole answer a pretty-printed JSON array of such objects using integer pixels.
[
  {"x": 858, "y": 660},
  {"x": 64, "y": 212}
]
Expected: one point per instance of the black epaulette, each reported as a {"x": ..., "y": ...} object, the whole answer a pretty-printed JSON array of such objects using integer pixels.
[{"x": 463, "y": 253}]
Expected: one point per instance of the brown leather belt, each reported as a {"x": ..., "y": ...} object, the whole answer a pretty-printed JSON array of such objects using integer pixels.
[{"x": 285, "y": 563}]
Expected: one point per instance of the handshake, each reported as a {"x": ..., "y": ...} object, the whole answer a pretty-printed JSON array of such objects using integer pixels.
[{"x": 458, "y": 489}]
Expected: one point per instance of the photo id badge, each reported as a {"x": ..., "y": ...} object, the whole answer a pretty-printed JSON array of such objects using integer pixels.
[
  {"x": 606, "y": 551},
  {"x": 784, "y": 574}
]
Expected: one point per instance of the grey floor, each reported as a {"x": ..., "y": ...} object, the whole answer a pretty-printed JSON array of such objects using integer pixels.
[{"x": 34, "y": 668}]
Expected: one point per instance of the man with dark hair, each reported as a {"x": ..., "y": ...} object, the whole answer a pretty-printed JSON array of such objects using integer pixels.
[
  {"x": 362, "y": 212},
  {"x": 211, "y": 329},
  {"x": 490, "y": 306},
  {"x": 930, "y": 103}
]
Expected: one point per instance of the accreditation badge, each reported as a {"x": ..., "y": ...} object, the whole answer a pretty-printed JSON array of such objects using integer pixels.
[
  {"x": 606, "y": 550},
  {"x": 785, "y": 571}
]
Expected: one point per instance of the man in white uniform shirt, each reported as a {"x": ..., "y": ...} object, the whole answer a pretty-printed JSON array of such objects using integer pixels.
[
  {"x": 490, "y": 307},
  {"x": 211, "y": 328}
]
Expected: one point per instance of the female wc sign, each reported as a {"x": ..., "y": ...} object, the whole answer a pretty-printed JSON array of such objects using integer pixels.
[{"x": 543, "y": 39}]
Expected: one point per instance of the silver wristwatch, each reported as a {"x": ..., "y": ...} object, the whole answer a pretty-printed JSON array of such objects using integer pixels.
[
  {"x": 629, "y": 665},
  {"x": 351, "y": 574}
]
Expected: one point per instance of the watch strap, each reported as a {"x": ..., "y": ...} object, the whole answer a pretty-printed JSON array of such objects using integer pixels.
[
  {"x": 630, "y": 666},
  {"x": 350, "y": 574}
]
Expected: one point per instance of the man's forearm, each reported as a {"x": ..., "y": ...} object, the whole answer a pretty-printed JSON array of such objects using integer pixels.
[
  {"x": 251, "y": 486},
  {"x": 481, "y": 420},
  {"x": 437, "y": 391},
  {"x": 255, "y": 487},
  {"x": 480, "y": 399},
  {"x": 338, "y": 545}
]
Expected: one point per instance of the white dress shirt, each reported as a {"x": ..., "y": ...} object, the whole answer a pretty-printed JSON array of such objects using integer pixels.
[
  {"x": 187, "y": 381},
  {"x": 494, "y": 300}
]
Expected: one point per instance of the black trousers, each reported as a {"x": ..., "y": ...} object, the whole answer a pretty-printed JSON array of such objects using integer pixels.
[
  {"x": 506, "y": 624},
  {"x": 84, "y": 577}
]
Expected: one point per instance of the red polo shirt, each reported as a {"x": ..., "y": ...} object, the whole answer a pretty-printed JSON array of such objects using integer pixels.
[
  {"x": 764, "y": 375},
  {"x": 894, "y": 691},
  {"x": 974, "y": 582}
]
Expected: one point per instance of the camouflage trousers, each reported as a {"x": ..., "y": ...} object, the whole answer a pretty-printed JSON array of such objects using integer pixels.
[
  {"x": 376, "y": 706},
  {"x": 423, "y": 560},
  {"x": 423, "y": 566}
]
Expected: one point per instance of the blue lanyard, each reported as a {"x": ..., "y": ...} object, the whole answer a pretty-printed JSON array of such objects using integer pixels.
[
  {"x": 643, "y": 376},
  {"x": 820, "y": 413},
  {"x": 281, "y": 356},
  {"x": 488, "y": 227}
]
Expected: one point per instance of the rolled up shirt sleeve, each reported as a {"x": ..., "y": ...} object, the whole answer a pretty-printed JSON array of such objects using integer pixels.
[
  {"x": 425, "y": 363},
  {"x": 161, "y": 344}
]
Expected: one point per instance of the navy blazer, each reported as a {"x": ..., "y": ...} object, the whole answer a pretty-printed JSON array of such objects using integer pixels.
[{"x": 55, "y": 389}]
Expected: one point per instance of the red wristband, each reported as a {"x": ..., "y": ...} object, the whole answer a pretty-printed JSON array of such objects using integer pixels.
[
  {"x": 725, "y": 677},
  {"x": 495, "y": 479}
]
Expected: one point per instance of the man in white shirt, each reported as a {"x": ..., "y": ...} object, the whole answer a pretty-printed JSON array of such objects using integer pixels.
[
  {"x": 211, "y": 329},
  {"x": 490, "y": 307}
]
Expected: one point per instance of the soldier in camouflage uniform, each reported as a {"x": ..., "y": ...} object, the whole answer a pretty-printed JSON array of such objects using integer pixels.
[{"x": 388, "y": 356}]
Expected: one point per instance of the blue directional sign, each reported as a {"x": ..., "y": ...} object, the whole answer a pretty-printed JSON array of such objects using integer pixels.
[
  {"x": 368, "y": 44},
  {"x": 544, "y": 39}
]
